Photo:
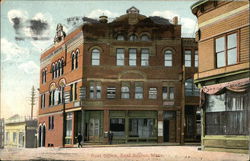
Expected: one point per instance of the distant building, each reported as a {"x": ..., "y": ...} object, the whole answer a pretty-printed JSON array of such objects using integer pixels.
[
  {"x": 20, "y": 132},
  {"x": 1, "y": 133},
  {"x": 126, "y": 76},
  {"x": 223, "y": 76}
]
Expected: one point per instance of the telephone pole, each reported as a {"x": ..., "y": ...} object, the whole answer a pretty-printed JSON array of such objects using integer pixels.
[{"x": 32, "y": 100}]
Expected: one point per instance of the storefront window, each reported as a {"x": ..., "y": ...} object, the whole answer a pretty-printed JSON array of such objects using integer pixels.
[
  {"x": 117, "y": 126},
  {"x": 141, "y": 127},
  {"x": 226, "y": 114}
]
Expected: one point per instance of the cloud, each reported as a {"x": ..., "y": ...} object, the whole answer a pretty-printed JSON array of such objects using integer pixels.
[
  {"x": 29, "y": 67},
  {"x": 12, "y": 52},
  {"x": 98, "y": 12},
  {"x": 188, "y": 24},
  {"x": 36, "y": 28}
]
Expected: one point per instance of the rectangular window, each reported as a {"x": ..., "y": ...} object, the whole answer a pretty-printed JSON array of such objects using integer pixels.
[
  {"x": 125, "y": 90},
  {"x": 14, "y": 137},
  {"x": 132, "y": 57},
  {"x": 171, "y": 93},
  {"x": 117, "y": 126},
  {"x": 226, "y": 114},
  {"x": 144, "y": 57},
  {"x": 98, "y": 91},
  {"x": 196, "y": 58},
  {"x": 141, "y": 127},
  {"x": 187, "y": 58},
  {"x": 226, "y": 50},
  {"x": 21, "y": 139},
  {"x": 43, "y": 101},
  {"x": 95, "y": 90},
  {"x": 168, "y": 58},
  {"x": 167, "y": 93},
  {"x": 51, "y": 122},
  {"x": 164, "y": 93},
  {"x": 91, "y": 91},
  {"x": 73, "y": 92},
  {"x": 120, "y": 57},
  {"x": 111, "y": 92},
  {"x": 138, "y": 90},
  {"x": 152, "y": 93}
]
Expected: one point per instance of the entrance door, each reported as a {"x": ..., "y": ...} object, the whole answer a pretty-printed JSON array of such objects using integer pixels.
[
  {"x": 166, "y": 130},
  {"x": 94, "y": 129}
]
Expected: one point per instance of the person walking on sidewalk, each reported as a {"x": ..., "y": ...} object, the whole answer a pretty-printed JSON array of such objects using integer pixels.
[
  {"x": 110, "y": 135},
  {"x": 79, "y": 139}
]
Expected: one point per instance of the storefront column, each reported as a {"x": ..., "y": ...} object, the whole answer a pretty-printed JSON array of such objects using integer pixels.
[
  {"x": 160, "y": 126},
  {"x": 106, "y": 125},
  {"x": 178, "y": 127}
]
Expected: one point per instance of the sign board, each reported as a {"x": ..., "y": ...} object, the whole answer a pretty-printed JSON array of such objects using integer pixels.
[
  {"x": 168, "y": 103},
  {"x": 160, "y": 128}
]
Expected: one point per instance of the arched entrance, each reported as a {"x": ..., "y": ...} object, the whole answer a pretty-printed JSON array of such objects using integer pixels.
[
  {"x": 43, "y": 136},
  {"x": 39, "y": 136}
]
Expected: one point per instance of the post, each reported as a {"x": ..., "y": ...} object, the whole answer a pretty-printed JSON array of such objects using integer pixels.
[
  {"x": 183, "y": 105},
  {"x": 64, "y": 119}
]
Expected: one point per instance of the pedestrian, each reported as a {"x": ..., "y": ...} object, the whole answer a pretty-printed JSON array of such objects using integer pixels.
[
  {"x": 110, "y": 134},
  {"x": 79, "y": 139}
]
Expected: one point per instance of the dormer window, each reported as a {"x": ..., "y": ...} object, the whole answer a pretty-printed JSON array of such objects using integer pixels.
[
  {"x": 132, "y": 37},
  {"x": 120, "y": 37}
]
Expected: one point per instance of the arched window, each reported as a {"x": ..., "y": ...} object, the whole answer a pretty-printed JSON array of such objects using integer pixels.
[
  {"x": 168, "y": 58},
  {"x": 133, "y": 37},
  {"x": 76, "y": 58},
  {"x": 61, "y": 67},
  {"x": 145, "y": 37},
  {"x": 73, "y": 61},
  {"x": 120, "y": 37},
  {"x": 56, "y": 69},
  {"x": 95, "y": 57}
]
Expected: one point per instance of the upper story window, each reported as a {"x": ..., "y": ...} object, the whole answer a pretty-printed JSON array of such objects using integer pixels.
[
  {"x": 187, "y": 58},
  {"x": 44, "y": 75},
  {"x": 196, "y": 58},
  {"x": 167, "y": 93},
  {"x": 57, "y": 69},
  {"x": 152, "y": 93},
  {"x": 120, "y": 37},
  {"x": 168, "y": 58},
  {"x": 144, "y": 57},
  {"x": 125, "y": 90},
  {"x": 226, "y": 50},
  {"x": 111, "y": 92},
  {"x": 52, "y": 98},
  {"x": 132, "y": 57},
  {"x": 133, "y": 37},
  {"x": 120, "y": 57},
  {"x": 51, "y": 122},
  {"x": 74, "y": 59},
  {"x": 53, "y": 70},
  {"x": 145, "y": 37},
  {"x": 95, "y": 57},
  {"x": 42, "y": 102},
  {"x": 191, "y": 89},
  {"x": 73, "y": 92},
  {"x": 95, "y": 90},
  {"x": 138, "y": 90}
]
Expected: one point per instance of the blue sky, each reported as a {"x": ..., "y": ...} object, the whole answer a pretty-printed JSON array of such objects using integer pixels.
[{"x": 22, "y": 44}]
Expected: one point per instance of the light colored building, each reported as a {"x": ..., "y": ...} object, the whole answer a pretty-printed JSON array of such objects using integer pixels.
[
  {"x": 1, "y": 133},
  {"x": 20, "y": 132},
  {"x": 223, "y": 74}
]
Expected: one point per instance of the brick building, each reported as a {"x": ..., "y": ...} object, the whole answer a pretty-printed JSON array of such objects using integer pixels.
[
  {"x": 223, "y": 76},
  {"x": 124, "y": 76}
]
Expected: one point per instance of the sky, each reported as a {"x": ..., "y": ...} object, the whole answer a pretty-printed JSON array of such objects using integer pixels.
[{"x": 28, "y": 28}]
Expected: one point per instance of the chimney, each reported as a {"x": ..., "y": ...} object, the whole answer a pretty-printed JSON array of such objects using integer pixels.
[
  {"x": 103, "y": 19},
  {"x": 175, "y": 20}
]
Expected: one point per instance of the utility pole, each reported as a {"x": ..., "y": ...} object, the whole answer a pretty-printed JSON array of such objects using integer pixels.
[{"x": 32, "y": 100}]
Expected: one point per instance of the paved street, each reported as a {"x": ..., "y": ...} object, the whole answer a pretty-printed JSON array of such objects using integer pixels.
[{"x": 139, "y": 153}]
